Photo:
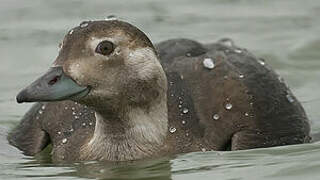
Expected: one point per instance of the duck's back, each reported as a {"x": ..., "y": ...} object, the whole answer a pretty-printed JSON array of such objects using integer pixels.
[{"x": 222, "y": 97}]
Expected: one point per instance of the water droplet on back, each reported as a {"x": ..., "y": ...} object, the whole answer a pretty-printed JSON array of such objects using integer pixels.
[
  {"x": 228, "y": 106},
  {"x": 71, "y": 31},
  {"x": 216, "y": 116},
  {"x": 208, "y": 63},
  {"x": 84, "y": 24},
  {"x": 290, "y": 98},
  {"x": 185, "y": 110},
  {"x": 238, "y": 51},
  {"x": 172, "y": 130},
  {"x": 64, "y": 140},
  {"x": 261, "y": 62}
]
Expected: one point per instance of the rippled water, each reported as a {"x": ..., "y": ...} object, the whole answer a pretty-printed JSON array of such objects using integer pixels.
[{"x": 286, "y": 33}]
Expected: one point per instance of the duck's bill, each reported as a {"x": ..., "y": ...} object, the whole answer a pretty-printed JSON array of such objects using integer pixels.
[{"x": 54, "y": 85}]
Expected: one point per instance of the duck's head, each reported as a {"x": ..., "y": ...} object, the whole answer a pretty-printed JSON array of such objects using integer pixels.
[{"x": 102, "y": 64}]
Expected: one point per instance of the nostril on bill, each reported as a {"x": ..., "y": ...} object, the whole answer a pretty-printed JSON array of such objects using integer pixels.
[{"x": 54, "y": 80}]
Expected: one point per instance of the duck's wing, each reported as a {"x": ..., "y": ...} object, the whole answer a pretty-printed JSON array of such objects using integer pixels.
[
  {"x": 191, "y": 91},
  {"x": 29, "y": 136},
  {"x": 239, "y": 101},
  {"x": 197, "y": 93}
]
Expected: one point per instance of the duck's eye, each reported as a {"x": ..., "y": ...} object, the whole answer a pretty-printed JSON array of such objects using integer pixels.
[{"x": 105, "y": 48}]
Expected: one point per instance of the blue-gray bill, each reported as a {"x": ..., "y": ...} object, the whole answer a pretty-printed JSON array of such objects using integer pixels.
[{"x": 54, "y": 85}]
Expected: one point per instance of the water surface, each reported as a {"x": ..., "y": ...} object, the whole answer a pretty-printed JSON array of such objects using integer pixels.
[{"x": 285, "y": 33}]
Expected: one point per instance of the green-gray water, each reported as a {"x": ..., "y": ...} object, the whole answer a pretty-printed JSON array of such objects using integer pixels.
[{"x": 284, "y": 32}]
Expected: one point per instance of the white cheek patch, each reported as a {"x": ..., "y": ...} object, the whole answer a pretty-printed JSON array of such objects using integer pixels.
[
  {"x": 144, "y": 61},
  {"x": 75, "y": 71}
]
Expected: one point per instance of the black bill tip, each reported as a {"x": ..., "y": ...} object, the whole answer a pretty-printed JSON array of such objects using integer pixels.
[{"x": 21, "y": 97}]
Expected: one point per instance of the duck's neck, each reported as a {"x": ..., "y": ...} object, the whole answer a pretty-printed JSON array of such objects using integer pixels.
[{"x": 133, "y": 133}]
